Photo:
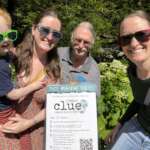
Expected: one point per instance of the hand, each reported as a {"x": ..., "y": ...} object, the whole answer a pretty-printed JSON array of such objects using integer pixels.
[
  {"x": 39, "y": 84},
  {"x": 16, "y": 125},
  {"x": 112, "y": 135}
]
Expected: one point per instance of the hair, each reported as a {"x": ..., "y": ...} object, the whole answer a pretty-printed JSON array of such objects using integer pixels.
[
  {"x": 25, "y": 51},
  {"x": 86, "y": 25},
  {"x": 47, "y": 12},
  {"x": 138, "y": 13},
  {"x": 6, "y": 16}
]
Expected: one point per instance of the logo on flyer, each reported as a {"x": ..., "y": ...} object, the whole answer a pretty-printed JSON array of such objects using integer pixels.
[
  {"x": 84, "y": 105},
  {"x": 65, "y": 106}
]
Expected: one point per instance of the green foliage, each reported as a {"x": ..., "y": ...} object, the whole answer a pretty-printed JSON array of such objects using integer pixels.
[
  {"x": 105, "y": 15},
  {"x": 115, "y": 95}
]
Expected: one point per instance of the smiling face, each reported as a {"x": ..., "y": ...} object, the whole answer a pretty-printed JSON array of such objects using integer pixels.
[
  {"x": 82, "y": 41},
  {"x": 137, "y": 51},
  {"x": 46, "y": 43}
]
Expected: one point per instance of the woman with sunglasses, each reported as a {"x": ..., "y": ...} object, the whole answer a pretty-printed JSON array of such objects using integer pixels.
[
  {"x": 133, "y": 129},
  {"x": 37, "y": 60},
  {"x": 8, "y": 93}
]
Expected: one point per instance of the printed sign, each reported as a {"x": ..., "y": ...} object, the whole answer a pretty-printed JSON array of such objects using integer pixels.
[{"x": 71, "y": 117}]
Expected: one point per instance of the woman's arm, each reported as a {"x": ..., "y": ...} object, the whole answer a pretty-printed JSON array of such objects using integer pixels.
[
  {"x": 130, "y": 112},
  {"x": 19, "y": 124}
]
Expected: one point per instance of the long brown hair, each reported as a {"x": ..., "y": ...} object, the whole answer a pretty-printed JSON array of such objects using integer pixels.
[{"x": 25, "y": 51}]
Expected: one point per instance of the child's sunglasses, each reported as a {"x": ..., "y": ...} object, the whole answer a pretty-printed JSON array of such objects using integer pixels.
[
  {"x": 10, "y": 35},
  {"x": 141, "y": 36},
  {"x": 45, "y": 31}
]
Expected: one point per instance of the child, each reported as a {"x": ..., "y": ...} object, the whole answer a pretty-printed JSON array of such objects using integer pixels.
[{"x": 7, "y": 90}]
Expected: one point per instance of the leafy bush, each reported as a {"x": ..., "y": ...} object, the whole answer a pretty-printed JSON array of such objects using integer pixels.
[
  {"x": 105, "y": 15},
  {"x": 115, "y": 95}
]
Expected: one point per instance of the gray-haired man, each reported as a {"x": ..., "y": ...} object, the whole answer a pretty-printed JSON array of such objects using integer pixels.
[{"x": 76, "y": 62}]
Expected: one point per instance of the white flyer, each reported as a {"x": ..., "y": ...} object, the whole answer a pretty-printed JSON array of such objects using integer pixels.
[{"x": 71, "y": 117}]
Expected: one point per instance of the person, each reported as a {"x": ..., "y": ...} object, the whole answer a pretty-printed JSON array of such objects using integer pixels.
[
  {"x": 9, "y": 94},
  {"x": 133, "y": 129},
  {"x": 40, "y": 60},
  {"x": 77, "y": 65}
]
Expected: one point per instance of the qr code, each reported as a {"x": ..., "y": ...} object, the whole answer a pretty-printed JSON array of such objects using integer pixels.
[{"x": 86, "y": 144}]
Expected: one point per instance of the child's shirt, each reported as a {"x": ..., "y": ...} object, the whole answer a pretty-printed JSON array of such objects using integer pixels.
[{"x": 6, "y": 84}]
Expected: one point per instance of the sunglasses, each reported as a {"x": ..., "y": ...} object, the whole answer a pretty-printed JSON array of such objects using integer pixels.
[
  {"x": 10, "y": 35},
  {"x": 45, "y": 31},
  {"x": 141, "y": 36}
]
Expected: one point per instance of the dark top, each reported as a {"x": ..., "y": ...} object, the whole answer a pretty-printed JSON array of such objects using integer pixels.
[
  {"x": 6, "y": 84},
  {"x": 141, "y": 102}
]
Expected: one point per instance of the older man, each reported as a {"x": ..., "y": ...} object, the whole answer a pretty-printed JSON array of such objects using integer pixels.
[{"x": 77, "y": 64}]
